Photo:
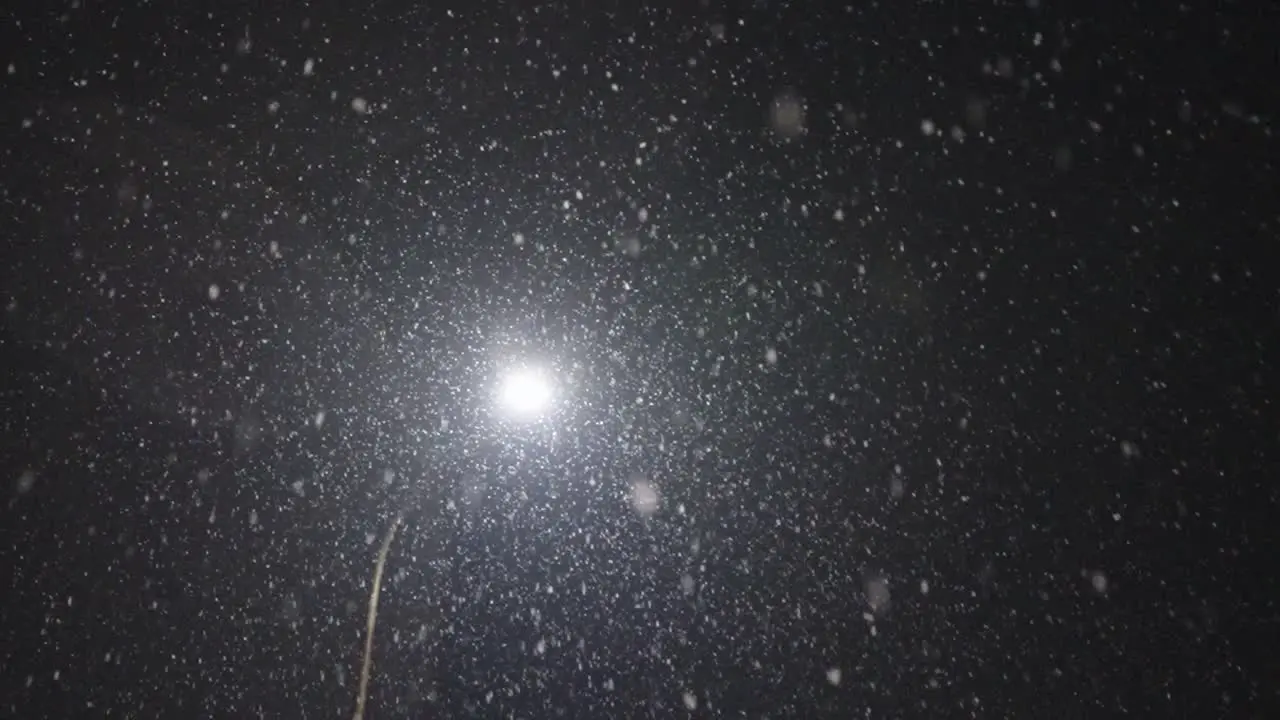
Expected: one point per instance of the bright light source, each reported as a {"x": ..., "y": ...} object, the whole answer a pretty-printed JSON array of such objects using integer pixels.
[{"x": 524, "y": 393}]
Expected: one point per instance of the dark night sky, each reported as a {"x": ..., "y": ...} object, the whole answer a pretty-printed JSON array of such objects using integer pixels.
[{"x": 944, "y": 331}]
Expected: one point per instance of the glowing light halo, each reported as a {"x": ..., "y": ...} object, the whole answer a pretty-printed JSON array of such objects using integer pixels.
[{"x": 524, "y": 393}]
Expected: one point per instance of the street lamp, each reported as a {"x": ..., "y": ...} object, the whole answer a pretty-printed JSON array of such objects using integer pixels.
[{"x": 523, "y": 394}]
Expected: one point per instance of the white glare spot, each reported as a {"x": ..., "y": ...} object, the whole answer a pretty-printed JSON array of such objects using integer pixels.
[
  {"x": 1099, "y": 581},
  {"x": 214, "y": 291},
  {"x": 631, "y": 245},
  {"x": 524, "y": 393},
  {"x": 687, "y": 584},
  {"x": 833, "y": 676},
  {"x": 25, "y": 481},
  {"x": 787, "y": 115},
  {"x": 690, "y": 701},
  {"x": 877, "y": 594},
  {"x": 896, "y": 488}
]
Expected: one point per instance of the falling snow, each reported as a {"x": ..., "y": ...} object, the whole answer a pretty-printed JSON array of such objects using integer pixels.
[{"x": 720, "y": 360}]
